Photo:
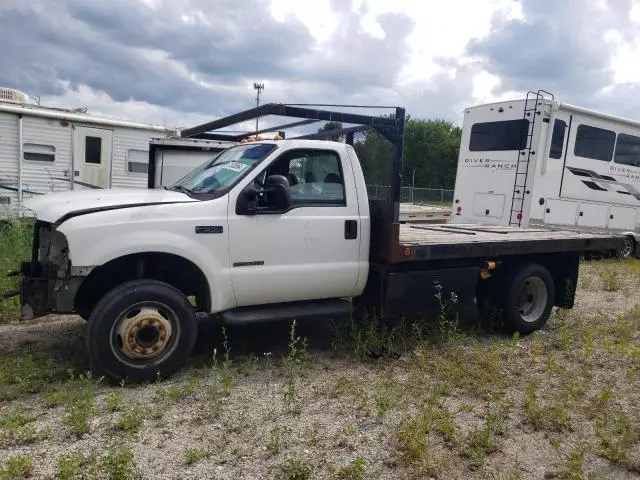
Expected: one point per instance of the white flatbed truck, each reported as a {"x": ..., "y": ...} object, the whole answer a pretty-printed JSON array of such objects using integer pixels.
[{"x": 250, "y": 244}]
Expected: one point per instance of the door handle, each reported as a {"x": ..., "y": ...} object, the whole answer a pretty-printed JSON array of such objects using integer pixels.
[{"x": 350, "y": 229}]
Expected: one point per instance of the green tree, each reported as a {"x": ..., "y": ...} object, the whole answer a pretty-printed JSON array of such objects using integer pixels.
[
  {"x": 328, "y": 126},
  {"x": 430, "y": 149}
]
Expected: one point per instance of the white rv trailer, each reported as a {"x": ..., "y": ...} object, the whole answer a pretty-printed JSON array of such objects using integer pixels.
[
  {"x": 45, "y": 149},
  {"x": 536, "y": 161}
]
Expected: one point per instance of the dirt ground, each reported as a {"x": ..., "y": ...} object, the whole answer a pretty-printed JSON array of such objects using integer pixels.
[{"x": 561, "y": 403}]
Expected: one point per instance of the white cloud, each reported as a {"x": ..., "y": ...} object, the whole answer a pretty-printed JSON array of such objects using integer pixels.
[{"x": 347, "y": 57}]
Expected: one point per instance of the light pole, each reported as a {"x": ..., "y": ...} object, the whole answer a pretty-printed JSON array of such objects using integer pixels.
[{"x": 258, "y": 87}]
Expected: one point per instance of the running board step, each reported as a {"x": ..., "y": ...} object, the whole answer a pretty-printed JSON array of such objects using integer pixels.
[{"x": 289, "y": 311}]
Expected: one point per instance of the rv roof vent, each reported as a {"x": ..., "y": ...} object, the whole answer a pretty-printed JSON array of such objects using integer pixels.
[{"x": 11, "y": 95}]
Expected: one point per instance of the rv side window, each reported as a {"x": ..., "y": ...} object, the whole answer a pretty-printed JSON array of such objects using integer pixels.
[
  {"x": 137, "y": 161},
  {"x": 39, "y": 153},
  {"x": 593, "y": 142},
  {"x": 499, "y": 136},
  {"x": 557, "y": 139},
  {"x": 628, "y": 150},
  {"x": 93, "y": 150}
]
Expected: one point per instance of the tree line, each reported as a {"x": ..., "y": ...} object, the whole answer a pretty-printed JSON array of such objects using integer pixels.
[{"x": 430, "y": 153}]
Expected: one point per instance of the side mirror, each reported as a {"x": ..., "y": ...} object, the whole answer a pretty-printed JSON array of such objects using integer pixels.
[
  {"x": 277, "y": 192},
  {"x": 247, "y": 201},
  {"x": 274, "y": 197}
]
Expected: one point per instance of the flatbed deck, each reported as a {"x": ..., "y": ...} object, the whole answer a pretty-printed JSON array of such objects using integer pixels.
[{"x": 449, "y": 241}]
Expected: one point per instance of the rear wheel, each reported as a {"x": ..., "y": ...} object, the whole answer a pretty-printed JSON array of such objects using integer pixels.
[
  {"x": 627, "y": 248},
  {"x": 141, "y": 330},
  {"x": 530, "y": 295}
]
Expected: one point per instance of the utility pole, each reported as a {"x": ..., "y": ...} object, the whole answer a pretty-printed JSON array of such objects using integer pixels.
[{"x": 258, "y": 87}]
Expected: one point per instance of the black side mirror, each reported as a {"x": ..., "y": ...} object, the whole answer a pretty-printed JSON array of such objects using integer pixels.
[
  {"x": 247, "y": 201},
  {"x": 275, "y": 196},
  {"x": 277, "y": 192}
]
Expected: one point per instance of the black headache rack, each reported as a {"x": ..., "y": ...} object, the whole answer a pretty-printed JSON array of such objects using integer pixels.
[{"x": 385, "y": 206}]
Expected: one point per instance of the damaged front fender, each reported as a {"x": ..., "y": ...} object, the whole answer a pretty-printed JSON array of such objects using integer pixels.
[{"x": 41, "y": 296}]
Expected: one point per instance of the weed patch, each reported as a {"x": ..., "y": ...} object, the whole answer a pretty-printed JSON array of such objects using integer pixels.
[
  {"x": 15, "y": 246},
  {"x": 130, "y": 420},
  {"x": 617, "y": 433},
  {"x": 18, "y": 466},
  {"x": 80, "y": 405},
  {"x": 69, "y": 466},
  {"x": 485, "y": 440},
  {"x": 355, "y": 470},
  {"x": 194, "y": 455},
  {"x": 544, "y": 416},
  {"x": 295, "y": 469}
]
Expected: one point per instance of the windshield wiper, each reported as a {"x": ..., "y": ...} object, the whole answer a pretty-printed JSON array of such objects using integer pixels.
[{"x": 181, "y": 189}]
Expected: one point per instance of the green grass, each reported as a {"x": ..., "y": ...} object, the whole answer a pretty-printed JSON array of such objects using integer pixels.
[
  {"x": 130, "y": 420},
  {"x": 80, "y": 404},
  {"x": 485, "y": 440},
  {"x": 194, "y": 455},
  {"x": 69, "y": 466},
  {"x": 117, "y": 462},
  {"x": 354, "y": 470},
  {"x": 617, "y": 434},
  {"x": 549, "y": 416},
  {"x": 295, "y": 469},
  {"x": 16, "y": 467},
  {"x": 15, "y": 247},
  {"x": 23, "y": 372},
  {"x": 16, "y": 427}
]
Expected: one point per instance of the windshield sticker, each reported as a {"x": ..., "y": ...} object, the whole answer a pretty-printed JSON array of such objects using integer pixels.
[{"x": 235, "y": 166}]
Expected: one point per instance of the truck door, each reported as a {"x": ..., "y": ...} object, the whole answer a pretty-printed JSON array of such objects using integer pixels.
[
  {"x": 310, "y": 251},
  {"x": 91, "y": 157}
]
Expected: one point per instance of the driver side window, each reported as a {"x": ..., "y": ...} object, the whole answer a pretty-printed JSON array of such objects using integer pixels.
[{"x": 315, "y": 177}]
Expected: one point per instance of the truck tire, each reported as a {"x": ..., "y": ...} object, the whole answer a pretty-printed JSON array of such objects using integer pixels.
[
  {"x": 141, "y": 330},
  {"x": 627, "y": 248},
  {"x": 530, "y": 295}
]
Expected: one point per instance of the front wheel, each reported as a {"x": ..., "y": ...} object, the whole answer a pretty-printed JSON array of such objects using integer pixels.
[
  {"x": 530, "y": 295},
  {"x": 141, "y": 330}
]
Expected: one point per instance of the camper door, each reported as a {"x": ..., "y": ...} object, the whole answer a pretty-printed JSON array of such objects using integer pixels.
[{"x": 92, "y": 157}]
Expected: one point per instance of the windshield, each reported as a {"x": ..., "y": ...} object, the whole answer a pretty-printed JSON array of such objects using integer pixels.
[{"x": 225, "y": 169}]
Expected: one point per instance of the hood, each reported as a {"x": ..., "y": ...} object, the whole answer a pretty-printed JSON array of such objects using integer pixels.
[{"x": 54, "y": 206}]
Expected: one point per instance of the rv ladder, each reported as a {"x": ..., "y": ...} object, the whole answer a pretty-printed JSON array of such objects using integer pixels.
[{"x": 533, "y": 107}]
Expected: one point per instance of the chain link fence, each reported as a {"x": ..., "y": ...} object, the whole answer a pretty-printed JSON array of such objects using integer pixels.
[
  {"x": 376, "y": 159},
  {"x": 416, "y": 195}
]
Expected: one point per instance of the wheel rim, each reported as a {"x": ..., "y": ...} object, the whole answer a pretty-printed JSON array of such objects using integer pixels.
[
  {"x": 145, "y": 334},
  {"x": 532, "y": 299},
  {"x": 627, "y": 248}
]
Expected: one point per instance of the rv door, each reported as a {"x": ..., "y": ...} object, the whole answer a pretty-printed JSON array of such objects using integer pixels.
[{"x": 91, "y": 157}]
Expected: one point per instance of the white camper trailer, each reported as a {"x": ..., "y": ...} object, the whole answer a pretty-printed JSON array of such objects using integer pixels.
[
  {"x": 45, "y": 149},
  {"x": 536, "y": 161}
]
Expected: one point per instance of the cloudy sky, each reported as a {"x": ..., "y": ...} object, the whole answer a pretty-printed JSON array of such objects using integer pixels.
[{"x": 180, "y": 62}]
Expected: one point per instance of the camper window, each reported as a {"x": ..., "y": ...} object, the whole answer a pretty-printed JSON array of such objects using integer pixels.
[
  {"x": 593, "y": 142},
  {"x": 628, "y": 150},
  {"x": 137, "y": 161},
  {"x": 557, "y": 139},
  {"x": 93, "y": 150},
  {"x": 39, "y": 153},
  {"x": 496, "y": 136}
]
